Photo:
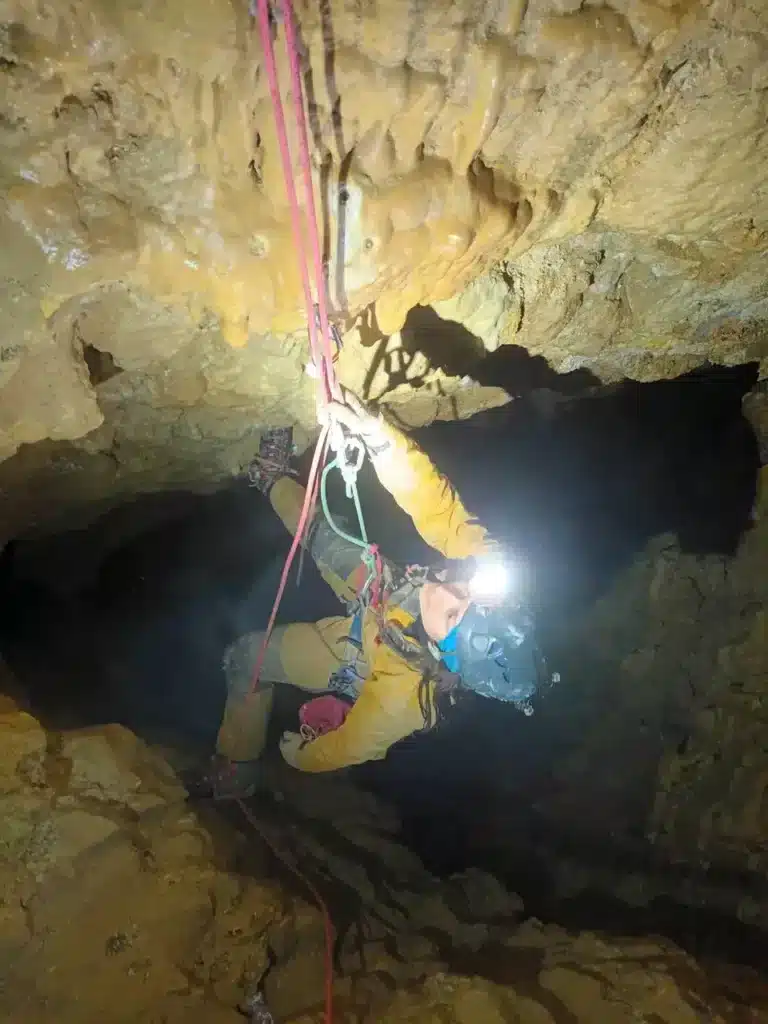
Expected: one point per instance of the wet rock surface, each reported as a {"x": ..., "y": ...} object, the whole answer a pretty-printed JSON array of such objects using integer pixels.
[
  {"x": 586, "y": 183},
  {"x": 123, "y": 903}
]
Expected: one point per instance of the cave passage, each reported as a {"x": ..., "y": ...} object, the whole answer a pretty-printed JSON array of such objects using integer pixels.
[{"x": 127, "y": 619}]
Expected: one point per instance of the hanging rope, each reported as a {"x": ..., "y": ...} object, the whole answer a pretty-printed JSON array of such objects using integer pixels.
[
  {"x": 327, "y": 922},
  {"x": 297, "y": 93},
  {"x": 320, "y": 349},
  {"x": 322, "y": 355}
]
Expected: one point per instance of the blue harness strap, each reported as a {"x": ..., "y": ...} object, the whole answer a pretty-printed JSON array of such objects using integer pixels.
[{"x": 347, "y": 678}]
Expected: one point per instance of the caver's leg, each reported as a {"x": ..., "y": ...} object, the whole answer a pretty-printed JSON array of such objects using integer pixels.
[
  {"x": 302, "y": 655},
  {"x": 336, "y": 558}
]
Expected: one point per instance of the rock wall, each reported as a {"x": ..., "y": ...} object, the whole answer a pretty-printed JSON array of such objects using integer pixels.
[
  {"x": 588, "y": 182},
  {"x": 122, "y": 903},
  {"x": 657, "y": 777}
]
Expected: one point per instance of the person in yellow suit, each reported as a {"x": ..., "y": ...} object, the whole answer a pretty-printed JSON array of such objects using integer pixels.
[{"x": 435, "y": 631}]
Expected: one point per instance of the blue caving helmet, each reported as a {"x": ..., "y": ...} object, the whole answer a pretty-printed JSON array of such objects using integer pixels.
[{"x": 494, "y": 651}]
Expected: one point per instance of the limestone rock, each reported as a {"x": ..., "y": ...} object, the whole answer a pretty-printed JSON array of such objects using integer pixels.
[
  {"x": 756, "y": 409},
  {"x": 433, "y": 915},
  {"x": 588, "y": 184},
  {"x": 23, "y": 742},
  {"x": 478, "y": 1004},
  {"x": 296, "y": 985},
  {"x": 450, "y": 999},
  {"x": 75, "y": 832},
  {"x": 667, "y": 675},
  {"x": 95, "y": 772},
  {"x": 179, "y": 919},
  {"x": 481, "y": 897},
  {"x": 107, "y": 765}
]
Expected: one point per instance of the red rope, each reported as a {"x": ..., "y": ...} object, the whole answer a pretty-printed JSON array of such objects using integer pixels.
[
  {"x": 327, "y": 922},
  {"x": 285, "y": 157},
  {"x": 306, "y": 170},
  {"x": 376, "y": 587},
  {"x": 323, "y": 359},
  {"x": 322, "y": 354},
  {"x": 312, "y": 482}
]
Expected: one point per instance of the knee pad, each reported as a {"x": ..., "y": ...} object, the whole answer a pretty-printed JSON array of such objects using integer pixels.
[{"x": 240, "y": 660}]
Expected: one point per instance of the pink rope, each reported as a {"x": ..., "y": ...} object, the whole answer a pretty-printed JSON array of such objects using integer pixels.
[
  {"x": 327, "y": 920},
  {"x": 309, "y": 500},
  {"x": 297, "y": 94},
  {"x": 285, "y": 156},
  {"x": 323, "y": 359},
  {"x": 322, "y": 354}
]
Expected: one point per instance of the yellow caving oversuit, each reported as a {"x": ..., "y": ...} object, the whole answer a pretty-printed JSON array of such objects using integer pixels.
[{"x": 306, "y": 654}]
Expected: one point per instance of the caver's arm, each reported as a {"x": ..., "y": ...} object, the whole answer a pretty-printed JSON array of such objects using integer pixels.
[
  {"x": 368, "y": 732},
  {"x": 426, "y": 495},
  {"x": 386, "y": 711}
]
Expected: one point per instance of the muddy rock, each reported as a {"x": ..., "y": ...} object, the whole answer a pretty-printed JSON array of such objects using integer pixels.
[
  {"x": 297, "y": 984},
  {"x": 103, "y": 766},
  {"x": 157, "y": 922},
  {"x": 182, "y": 915},
  {"x": 476, "y": 894},
  {"x": 24, "y": 743}
]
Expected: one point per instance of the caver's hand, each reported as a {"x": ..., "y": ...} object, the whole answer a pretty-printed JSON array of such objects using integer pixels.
[
  {"x": 359, "y": 421},
  {"x": 290, "y": 744}
]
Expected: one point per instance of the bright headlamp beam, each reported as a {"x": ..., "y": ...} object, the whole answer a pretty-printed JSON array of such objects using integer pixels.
[{"x": 490, "y": 582}]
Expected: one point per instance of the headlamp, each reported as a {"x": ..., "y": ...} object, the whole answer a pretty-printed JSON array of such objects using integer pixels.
[{"x": 491, "y": 582}]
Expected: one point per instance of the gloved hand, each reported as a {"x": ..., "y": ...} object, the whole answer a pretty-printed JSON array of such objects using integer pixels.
[
  {"x": 290, "y": 744},
  {"x": 359, "y": 421}
]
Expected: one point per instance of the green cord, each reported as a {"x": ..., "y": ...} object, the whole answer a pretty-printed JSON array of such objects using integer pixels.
[
  {"x": 357, "y": 541},
  {"x": 367, "y": 557},
  {"x": 359, "y": 510}
]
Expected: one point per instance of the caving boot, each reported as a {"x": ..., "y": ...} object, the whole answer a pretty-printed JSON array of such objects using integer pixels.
[
  {"x": 273, "y": 460},
  {"x": 221, "y": 779}
]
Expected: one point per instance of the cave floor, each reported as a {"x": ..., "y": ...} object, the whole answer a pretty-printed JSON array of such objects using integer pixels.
[{"x": 125, "y": 903}]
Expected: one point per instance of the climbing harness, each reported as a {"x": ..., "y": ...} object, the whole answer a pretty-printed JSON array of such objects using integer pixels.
[{"x": 348, "y": 678}]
